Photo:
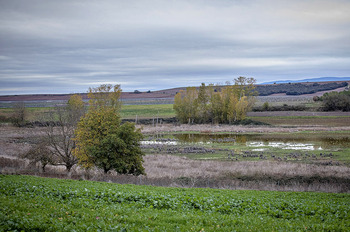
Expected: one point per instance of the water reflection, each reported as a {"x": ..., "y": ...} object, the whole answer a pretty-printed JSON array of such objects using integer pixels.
[
  {"x": 282, "y": 145},
  {"x": 293, "y": 142}
]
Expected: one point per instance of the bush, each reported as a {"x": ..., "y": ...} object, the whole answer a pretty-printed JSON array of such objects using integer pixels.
[
  {"x": 284, "y": 107},
  {"x": 336, "y": 101},
  {"x": 265, "y": 106}
]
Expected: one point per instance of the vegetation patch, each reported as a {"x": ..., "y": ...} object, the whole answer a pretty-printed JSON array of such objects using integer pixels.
[
  {"x": 297, "y": 88},
  {"x": 147, "y": 111},
  {"x": 329, "y": 121},
  {"x": 32, "y": 203}
]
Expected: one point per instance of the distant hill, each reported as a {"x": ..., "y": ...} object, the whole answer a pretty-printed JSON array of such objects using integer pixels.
[
  {"x": 320, "y": 79},
  {"x": 307, "y": 86}
]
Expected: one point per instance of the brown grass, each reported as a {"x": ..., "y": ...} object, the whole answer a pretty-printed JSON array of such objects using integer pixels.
[
  {"x": 173, "y": 171},
  {"x": 174, "y": 166},
  {"x": 208, "y": 128},
  {"x": 167, "y": 170}
]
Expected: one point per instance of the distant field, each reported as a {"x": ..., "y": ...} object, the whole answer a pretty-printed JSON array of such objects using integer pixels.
[
  {"x": 281, "y": 118},
  {"x": 329, "y": 121},
  {"x": 148, "y": 111},
  {"x": 42, "y": 204},
  {"x": 127, "y": 111}
]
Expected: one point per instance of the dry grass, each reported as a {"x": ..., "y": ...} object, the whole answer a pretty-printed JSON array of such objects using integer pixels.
[
  {"x": 208, "y": 128},
  {"x": 158, "y": 166},
  {"x": 167, "y": 170},
  {"x": 173, "y": 171}
]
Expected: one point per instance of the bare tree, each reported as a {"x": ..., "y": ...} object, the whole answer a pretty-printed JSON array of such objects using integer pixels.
[
  {"x": 40, "y": 153},
  {"x": 60, "y": 131},
  {"x": 19, "y": 114}
]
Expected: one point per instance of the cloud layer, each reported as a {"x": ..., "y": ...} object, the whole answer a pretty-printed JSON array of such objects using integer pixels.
[{"x": 67, "y": 46}]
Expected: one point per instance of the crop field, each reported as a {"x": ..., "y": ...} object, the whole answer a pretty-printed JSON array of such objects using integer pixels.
[{"x": 42, "y": 204}]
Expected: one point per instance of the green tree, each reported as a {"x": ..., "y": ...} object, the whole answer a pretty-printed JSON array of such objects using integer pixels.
[
  {"x": 101, "y": 139},
  {"x": 265, "y": 106},
  {"x": 336, "y": 101}
]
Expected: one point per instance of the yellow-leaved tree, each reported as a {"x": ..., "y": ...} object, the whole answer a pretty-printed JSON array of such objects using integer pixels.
[
  {"x": 209, "y": 104},
  {"x": 102, "y": 141}
]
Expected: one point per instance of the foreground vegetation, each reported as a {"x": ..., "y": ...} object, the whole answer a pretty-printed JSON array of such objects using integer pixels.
[{"x": 32, "y": 203}]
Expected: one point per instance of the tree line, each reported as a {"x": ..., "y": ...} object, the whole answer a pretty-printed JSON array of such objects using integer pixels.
[
  {"x": 297, "y": 88},
  {"x": 215, "y": 104}
]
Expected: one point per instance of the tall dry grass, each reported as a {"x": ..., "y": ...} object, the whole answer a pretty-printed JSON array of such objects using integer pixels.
[
  {"x": 173, "y": 171},
  {"x": 158, "y": 166}
]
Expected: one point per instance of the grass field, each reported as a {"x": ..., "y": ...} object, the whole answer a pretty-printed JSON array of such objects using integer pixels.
[
  {"x": 148, "y": 111},
  {"x": 127, "y": 111},
  {"x": 42, "y": 204}
]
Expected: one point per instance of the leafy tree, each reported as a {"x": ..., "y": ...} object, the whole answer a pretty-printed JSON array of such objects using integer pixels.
[
  {"x": 185, "y": 104},
  {"x": 202, "y": 104},
  {"x": 101, "y": 139},
  {"x": 220, "y": 105},
  {"x": 265, "y": 106},
  {"x": 336, "y": 101}
]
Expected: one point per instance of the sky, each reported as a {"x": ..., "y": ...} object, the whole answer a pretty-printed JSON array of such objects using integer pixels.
[{"x": 67, "y": 46}]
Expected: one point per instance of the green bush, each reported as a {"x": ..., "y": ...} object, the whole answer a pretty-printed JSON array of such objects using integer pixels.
[
  {"x": 284, "y": 107},
  {"x": 336, "y": 101}
]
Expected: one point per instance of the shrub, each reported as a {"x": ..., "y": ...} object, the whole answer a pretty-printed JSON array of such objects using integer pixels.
[{"x": 336, "y": 101}]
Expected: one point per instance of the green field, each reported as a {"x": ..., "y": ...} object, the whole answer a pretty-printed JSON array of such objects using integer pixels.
[
  {"x": 148, "y": 111},
  {"x": 43, "y": 204},
  {"x": 127, "y": 111},
  {"x": 167, "y": 111}
]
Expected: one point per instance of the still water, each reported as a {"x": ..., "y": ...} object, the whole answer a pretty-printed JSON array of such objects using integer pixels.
[{"x": 259, "y": 142}]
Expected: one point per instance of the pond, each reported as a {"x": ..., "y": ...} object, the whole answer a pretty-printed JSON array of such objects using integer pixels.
[{"x": 259, "y": 142}]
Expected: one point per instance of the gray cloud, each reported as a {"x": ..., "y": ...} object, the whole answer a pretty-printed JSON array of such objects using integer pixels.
[{"x": 68, "y": 46}]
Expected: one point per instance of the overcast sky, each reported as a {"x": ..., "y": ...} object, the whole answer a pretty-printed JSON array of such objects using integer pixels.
[{"x": 66, "y": 46}]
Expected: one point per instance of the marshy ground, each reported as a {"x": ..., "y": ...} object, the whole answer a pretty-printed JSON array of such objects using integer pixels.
[{"x": 195, "y": 163}]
